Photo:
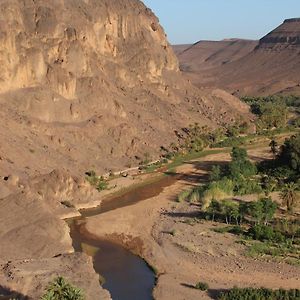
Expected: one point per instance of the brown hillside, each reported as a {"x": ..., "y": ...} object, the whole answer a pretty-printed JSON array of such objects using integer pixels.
[
  {"x": 272, "y": 67},
  {"x": 84, "y": 85},
  {"x": 209, "y": 54},
  {"x": 90, "y": 84}
]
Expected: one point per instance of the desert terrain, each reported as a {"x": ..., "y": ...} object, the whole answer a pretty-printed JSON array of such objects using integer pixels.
[
  {"x": 95, "y": 103},
  {"x": 248, "y": 68},
  {"x": 184, "y": 250}
]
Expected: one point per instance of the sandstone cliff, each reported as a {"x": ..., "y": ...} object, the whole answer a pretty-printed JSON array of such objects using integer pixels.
[
  {"x": 90, "y": 84},
  {"x": 84, "y": 85}
]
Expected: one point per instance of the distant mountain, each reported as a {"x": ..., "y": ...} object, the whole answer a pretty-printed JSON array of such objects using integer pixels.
[
  {"x": 269, "y": 67},
  {"x": 205, "y": 55}
]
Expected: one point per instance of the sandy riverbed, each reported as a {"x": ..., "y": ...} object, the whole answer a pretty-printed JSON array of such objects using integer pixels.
[{"x": 193, "y": 253}]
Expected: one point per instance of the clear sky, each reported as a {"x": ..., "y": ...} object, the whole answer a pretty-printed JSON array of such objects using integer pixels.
[{"x": 188, "y": 21}]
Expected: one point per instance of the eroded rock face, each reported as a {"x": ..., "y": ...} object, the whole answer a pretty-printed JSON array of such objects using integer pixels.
[
  {"x": 84, "y": 85},
  {"x": 63, "y": 43},
  {"x": 91, "y": 84},
  {"x": 31, "y": 277},
  {"x": 286, "y": 35},
  {"x": 28, "y": 229}
]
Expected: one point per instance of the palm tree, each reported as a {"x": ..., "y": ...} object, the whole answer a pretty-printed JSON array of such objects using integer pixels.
[
  {"x": 289, "y": 195},
  {"x": 59, "y": 289}
]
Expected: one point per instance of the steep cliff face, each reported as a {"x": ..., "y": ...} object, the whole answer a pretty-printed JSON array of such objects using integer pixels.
[
  {"x": 62, "y": 44},
  {"x": 89, "y": 84}
]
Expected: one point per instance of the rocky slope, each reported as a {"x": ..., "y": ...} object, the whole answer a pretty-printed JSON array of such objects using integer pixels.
[
  {"x": 84, "y": 85},
  {"x": 90, "y": 84},
  {"x": 205, "y": 55},
  {"x": 272, "y": 67}
]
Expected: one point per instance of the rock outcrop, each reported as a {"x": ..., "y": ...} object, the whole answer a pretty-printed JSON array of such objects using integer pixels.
[
  {"x": 286, "y": 35},
  {"x": 30, "y": 278},
  {"x": 90, "y": 84}
]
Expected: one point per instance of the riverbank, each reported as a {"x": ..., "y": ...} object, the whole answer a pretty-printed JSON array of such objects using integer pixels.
[{"x": 183, "y": 254}]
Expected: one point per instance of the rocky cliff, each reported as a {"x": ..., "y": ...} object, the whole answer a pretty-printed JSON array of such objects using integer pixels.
[
  {"x": 84, "y": 85},
  {"x": 91, "y": 84},
  {"x": 286, "y": 35}
]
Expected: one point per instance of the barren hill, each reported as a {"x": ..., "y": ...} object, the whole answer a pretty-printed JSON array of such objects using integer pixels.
[
  {"x": 205, "y": 55},
  {"x": 272, "y": 67}
]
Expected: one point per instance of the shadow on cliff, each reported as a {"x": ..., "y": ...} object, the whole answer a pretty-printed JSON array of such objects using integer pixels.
[{"x": 8, "y": 294}]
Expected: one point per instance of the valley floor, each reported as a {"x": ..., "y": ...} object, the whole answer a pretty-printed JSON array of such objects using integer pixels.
[{"x": 160, "y": 230}]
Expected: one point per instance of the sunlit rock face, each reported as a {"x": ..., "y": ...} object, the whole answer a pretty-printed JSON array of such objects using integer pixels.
[
  {"x": 62, "y": 43},
  {"x": 92, "y": 84}
]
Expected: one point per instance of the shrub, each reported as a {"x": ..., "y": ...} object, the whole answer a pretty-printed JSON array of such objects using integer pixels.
[
  {"x": 202, "y": 286},
  {"x": 265, "y": 233},
  {"x": 216, "y": 173},
  {"x": 59, "y": 289},
  {"x": 184, "y": 196},
  {"x": 97, "y": 181},
  {"x": 218, "y": 190}
]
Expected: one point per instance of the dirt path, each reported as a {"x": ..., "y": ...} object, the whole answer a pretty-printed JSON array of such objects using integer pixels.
[{"x": 184, "y": 254}]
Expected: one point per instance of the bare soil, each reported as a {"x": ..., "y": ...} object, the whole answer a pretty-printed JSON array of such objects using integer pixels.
[{"x": 184, "y": 254}]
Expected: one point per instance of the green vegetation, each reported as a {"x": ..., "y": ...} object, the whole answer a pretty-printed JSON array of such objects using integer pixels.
[
  {"x": 237, "y": 178},
  {"x": 96, "y": 181},
  {"x": 184, "y": 195},
  {"x": 255, "y": 222},
  {"x": 196, "y": 138},
  {"x": 60, "y": 289},
  {"x": 283, "y": 172},
  {"x": 272, "y": 111},
  {"x": 259, "y": 294},
  {"x": 202, "y": 286}
]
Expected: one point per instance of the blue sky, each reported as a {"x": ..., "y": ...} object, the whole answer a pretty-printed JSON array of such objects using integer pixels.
[{"x": 188, "y": 21}]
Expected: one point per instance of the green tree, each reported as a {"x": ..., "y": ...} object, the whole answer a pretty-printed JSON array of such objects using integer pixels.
[
  {"x": 214, "y": 208},
  {"x": 243, "y": 210},
  {"x": 240, "y": 165},
  {"x": 290, "y": 153},
  {"x": 256, "y": 211},
  {"x": 216, "y": 173},
  {"x": 59, "y": 289},
  {"x": 289, "y": 196},
  {"x": 269, "y": 208}
]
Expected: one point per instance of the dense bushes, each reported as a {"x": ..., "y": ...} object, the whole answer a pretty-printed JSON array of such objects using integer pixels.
[
  {"x": 272, "y": 111},
  {"x": 290, "y": 153},
  {"x": 265, "y": 233},
  {"x": 240, "y": 172},
  {"x": 260, "y": 294},
  {"x": 259, "y": 212}
]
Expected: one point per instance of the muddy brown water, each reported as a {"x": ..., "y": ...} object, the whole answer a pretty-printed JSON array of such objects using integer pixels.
[{"x": 127, "y": 276}]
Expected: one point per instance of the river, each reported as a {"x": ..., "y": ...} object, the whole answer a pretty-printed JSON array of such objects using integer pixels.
[{"x": 126, "y": 276}]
